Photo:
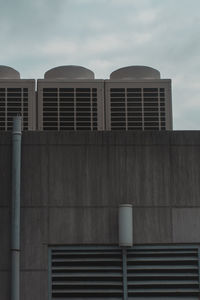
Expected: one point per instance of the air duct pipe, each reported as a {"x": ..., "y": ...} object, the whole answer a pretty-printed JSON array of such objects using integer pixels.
[
  {"x": 15, "y": 229},
  {"x": 125, "y": 225}
]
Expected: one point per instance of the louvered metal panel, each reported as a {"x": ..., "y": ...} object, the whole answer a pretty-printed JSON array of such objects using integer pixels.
[
  {"x": 168, "y": 272},
  {"x": 70, "y": 105},
  {"x": 17, "y": 98},
  {"x": 138, "y": 105},
  {"x": 86, "y": 273},
  {"x": 140, "y": 272}
]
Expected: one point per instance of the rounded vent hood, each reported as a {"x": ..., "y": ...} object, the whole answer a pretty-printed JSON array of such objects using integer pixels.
[
  {"x": 69, "y": 72},
  {"x": 8, "y": 73},
  {"x": 135, "y": 72}
]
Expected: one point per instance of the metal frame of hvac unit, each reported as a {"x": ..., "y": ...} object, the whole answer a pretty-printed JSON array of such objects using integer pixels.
[
  {"x": 154, "y": 83},
  {"x": 59, "y": 83},
  {"x": 30, "y": 85}
]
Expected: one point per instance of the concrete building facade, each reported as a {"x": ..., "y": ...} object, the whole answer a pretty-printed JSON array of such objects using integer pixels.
[{"x": 72, "y": 185}]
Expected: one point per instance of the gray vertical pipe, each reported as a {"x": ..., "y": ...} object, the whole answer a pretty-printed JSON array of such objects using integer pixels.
[
  {"x": 125, "y": 283},
  {"x": 15, "y": 222}
]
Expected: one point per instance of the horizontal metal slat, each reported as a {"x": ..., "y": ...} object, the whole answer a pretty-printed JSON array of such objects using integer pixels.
[
  {"x": 93, "y": 297},
  {"x": 162, "y": 282},
  {"x": 87, "y": 268},
  {"x": 163, "y": 259},
  {"x": 162, "y": 290},
  {"x": 89, "y": 283},
  {"x": 163, "y": 275},
  {"x": 88, "y": 291},
  {"x": 88, "y": 252},
  {"x": 150, "y": 297},
  {"x": 87, "y": 275},
  {"x": 86, "y": 259},
  {"x": 163, "y": 267}
]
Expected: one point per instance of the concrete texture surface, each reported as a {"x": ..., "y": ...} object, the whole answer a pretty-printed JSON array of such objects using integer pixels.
[
  {"x": 147, "y": 175},
  {"x": 34, "y": 191},
  {"x": 152, "y": 225},
  {"x": 5, "y": 238},
  {"x": 34, "y": 238},
  {"x": 5, "y": 174},
  {"x": 186, "y": 224},
  {"x": 4, "y": 285},
  {"x": 185, "y": 175},
  {"x": 34, "y": 285},
  {"x": 83, "y": 225}
]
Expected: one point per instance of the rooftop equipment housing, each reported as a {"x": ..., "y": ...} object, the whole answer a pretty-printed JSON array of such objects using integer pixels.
[
  {"x": 69, "y": 98},
  {"x": 17, "y": 97},
  {"x": 138, "y": 99}
]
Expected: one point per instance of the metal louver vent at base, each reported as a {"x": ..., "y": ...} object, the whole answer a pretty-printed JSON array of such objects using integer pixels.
[
  {"x": 86, "y": 273},
  {"x": 162, "y": 272},
  {"x": 139, "y": 272}
]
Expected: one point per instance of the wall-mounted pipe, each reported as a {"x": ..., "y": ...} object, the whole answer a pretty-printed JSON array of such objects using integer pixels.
[
  {"x": 15, "y": 221},
  {"x": 125, "y": 225}
]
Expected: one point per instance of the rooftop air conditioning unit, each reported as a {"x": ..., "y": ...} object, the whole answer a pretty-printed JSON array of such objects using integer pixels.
[
  {"x": 69, "y": 98},
  {"x": 137, "y": 99},
  {"x": 17, "y": 97}
]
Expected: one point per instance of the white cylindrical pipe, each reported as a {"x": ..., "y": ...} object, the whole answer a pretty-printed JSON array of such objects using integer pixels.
[{"x": 125, "y": 225}]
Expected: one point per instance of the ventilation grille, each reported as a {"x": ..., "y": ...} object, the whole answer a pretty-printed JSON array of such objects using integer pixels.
[
  {"x": 163, "y": 272},
  {"x": 140, "y": 272},
  {"x": 69, "y": 109},
  {"x": 13, "y": 102},
  {"x": 86, "y": 273},
  {"x": 137, "y": 109}
]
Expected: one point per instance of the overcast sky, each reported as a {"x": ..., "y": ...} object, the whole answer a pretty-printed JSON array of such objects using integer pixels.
[{"x": 104, "y": 35}]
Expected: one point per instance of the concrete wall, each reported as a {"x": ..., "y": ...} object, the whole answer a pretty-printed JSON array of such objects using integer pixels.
[{"x": 72, "y": 184}]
